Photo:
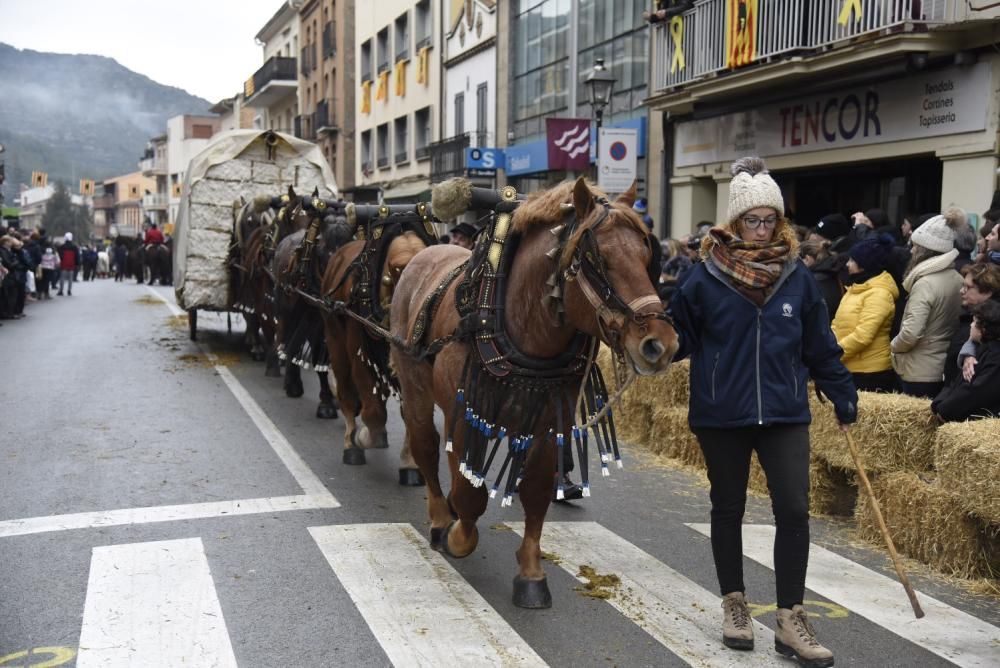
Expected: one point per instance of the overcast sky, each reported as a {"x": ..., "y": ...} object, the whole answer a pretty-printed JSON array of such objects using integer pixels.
[{"x": 206, "y": 47}]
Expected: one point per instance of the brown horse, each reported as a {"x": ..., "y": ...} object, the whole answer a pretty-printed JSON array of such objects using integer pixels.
[
  {"x": 299, "y": 264},
  {"x": 360, "y": 360},
  {"x": 555, "y": 235}
]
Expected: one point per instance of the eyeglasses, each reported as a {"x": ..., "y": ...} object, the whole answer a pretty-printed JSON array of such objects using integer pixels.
[{"x": 753, "y": 222}]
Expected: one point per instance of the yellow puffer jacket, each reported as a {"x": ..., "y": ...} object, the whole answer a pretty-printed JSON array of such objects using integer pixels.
[{"x": 863, "y": 321}]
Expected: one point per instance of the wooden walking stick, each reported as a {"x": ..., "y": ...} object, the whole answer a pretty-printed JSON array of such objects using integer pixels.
[{"x": 917, "y": 610}]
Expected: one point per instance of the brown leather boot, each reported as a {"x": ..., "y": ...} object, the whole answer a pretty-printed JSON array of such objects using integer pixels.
[
  {"x": 737, "y": 629},
  {"x": 796, "y": 638}
]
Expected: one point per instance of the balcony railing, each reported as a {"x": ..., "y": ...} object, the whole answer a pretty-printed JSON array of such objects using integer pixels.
[
  {"x": 448, "y": 157},
  {"x": 155, "y": 201},
  {"x": 153, "y": 166},
  {"x": 329, "y": 41},
  {"x": 307, "y": 57},
  {"x": 104, "y": 202},
  {"x": 785, "y": 27},
  {"x": 383, "y": 161},
  {"x": 402, "y": 157},
  {"x": 275, "y": 68},
  {"x": 303, "y": 127},
  {"x": 324, "y": 119}
]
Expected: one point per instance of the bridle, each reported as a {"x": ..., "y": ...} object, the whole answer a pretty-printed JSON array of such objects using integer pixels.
[{"x": 589, "y": 270}]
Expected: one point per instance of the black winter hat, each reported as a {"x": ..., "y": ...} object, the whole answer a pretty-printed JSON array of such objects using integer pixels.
[
  {"x": 464, "y": 228},
  {"x": 833, "y": 226},
  {"x": 878, "y": 218},
  {"x": 872, "y": 253}
]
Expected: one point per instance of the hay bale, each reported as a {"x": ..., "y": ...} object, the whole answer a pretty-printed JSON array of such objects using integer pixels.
[
  {"x": 633, "y": 421},
  {"x": 967, "y": 459},
  {"x": 671, "y": 436},
  {"x": 832, "y": 491},
  {"x": 670, "y": 388},
  {"x": 894, "y": 432},
  {"x": 927, "y": 523}
]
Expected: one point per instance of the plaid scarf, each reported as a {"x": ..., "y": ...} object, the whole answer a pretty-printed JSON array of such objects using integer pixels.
[{"x": 753, "y": 267}]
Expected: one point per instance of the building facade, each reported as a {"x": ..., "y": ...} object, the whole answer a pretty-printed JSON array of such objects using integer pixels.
[
  {"x": 154, "y": 165},
  {"x": 272, "y": 91},
  {"x": 326, "y": 83},
  {"x": 118, "y": 208},
  {"x": 468, "y": 99},
  {"x": 397, "y": 83},
  {"x": 234, "y": 114},
  {"x": 187, "y": 135},
  {"x": 552, "y": 47},
  {"x": 854, "y": 106}
]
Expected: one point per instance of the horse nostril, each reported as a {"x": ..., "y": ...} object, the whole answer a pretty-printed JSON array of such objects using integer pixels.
[{"x": 651, "y": 348}]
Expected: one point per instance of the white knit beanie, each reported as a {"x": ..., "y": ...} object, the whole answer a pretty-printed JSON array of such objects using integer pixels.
[
  {"x": 752, "y": 187},
  {"x": 938, "y": 233}
]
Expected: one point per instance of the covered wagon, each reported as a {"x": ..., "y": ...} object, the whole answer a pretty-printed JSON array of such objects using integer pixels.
[{"x": 235, "y": 164}]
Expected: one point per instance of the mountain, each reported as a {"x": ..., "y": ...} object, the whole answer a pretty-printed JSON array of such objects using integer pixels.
[{"x": 79, "y": 116}]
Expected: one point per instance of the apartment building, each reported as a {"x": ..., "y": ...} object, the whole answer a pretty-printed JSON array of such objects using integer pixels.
[
  {"x": 853, "y": 105},
  {"x": 326, "y": 95},
  {"x": 187, "y": 135},
  {"x": 469, "y": 93},
  {"x": 397, "y": 82},
  {"x": 154, "y": 166},
  {"x": 272, "y": 91},
  {"x": 118, "y": 207}
]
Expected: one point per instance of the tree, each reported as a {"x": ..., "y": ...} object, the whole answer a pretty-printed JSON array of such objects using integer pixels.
[{"x": 62, "y": 216}]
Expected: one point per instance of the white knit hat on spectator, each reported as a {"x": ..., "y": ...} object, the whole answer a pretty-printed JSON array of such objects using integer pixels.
[
  {"x": 752, "y": 187},
  {"x": 938, "y": 233}
]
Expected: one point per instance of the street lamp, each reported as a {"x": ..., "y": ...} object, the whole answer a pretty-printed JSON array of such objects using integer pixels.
[{"x": 600, "y": 82}]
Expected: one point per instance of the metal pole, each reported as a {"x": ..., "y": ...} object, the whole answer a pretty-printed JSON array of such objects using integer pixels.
[{"x": 600, "y": 120}]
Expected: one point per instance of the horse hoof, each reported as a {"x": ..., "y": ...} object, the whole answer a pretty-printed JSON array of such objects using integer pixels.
[
  {"x": 531, "y": 594},
  {"x": 354, "y": 457},
  {"x": 436, "y": 541},
  {"x": 273, "y": 372},
  {"x": 294, "y": 392},
  {"x": 410, "y": 478},
  {"x": 326, "y": 412},
  {"x": 257, "y": 356},
  {"x": 444, "y": 542}
]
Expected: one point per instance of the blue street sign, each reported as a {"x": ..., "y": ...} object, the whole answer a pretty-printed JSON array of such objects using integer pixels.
[{"x": 484, "y": 159}]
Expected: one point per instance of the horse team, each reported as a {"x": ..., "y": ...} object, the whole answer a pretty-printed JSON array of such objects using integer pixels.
[{"x": 501, "y": 338}]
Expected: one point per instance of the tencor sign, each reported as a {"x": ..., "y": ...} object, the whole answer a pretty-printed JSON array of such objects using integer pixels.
[{"x": 943, "y": 102}]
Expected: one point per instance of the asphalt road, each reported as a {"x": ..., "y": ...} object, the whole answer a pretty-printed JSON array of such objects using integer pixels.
[{"x": 161, "y": 507}]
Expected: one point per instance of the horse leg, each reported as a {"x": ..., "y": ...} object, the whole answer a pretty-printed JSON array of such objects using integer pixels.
[
  {"x": 327, "y": 409},
  {"x": 468, "y": 502},
  {"x": 346, "y": 392},
  {"x": 531, "y": 589},
  {"x": 423, "y": 441},
  {"x": 293, "y": 380},
  {"x": 409, "y": 473}
]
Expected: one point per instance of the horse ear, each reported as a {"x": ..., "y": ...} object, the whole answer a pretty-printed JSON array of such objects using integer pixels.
[
  {"x": 291, "y": 192},
  {"x": 316, "y": 191},
  {"x": 583, "y": 199},
  {"x": 628, "y": 197}
]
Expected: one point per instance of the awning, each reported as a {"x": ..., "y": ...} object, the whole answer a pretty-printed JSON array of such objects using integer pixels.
[{"x": 411, "y": 191}]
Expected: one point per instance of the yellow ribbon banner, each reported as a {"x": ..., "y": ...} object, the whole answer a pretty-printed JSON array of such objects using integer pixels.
[
  {"x": 400, "y": 74},
  {"x": 845, "y": 12},
  {"x": 423, "y": 65},
  {"x": 677, "y": 33},
  {"x": 366, "y": 97},
  {"x": 382, "y": 92}
]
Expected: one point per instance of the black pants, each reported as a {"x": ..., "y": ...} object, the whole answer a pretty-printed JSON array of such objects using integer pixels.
[
  {"x": 922, "y": 390},
  {"x": 783, "y": 451},
  {"x": 879, "y": 381}
]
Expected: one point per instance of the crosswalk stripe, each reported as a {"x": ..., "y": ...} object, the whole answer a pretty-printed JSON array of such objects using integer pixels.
[
  {"x": 680, "y": 614},
  {"x": 153, "y": 604},
  {"x": 444, "y": 620},
  {"x": 950, "y": 633}
]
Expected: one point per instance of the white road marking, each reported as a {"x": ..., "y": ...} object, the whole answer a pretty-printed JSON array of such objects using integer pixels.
[
  {"x": 153, "y": 604},
  {"x": 680, "y": 614},
  {"x": 174, "y": 308},
  {"x": 316, "y": 494},
  {"x": 950, "y": 633},
  {"x": 152, "y": 514},
  {"x": 421, "y": 611}
]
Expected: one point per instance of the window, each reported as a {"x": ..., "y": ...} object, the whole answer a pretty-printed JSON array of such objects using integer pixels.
[
  {"x": 402, "y": 141},
  {"x": 459, "y": 114},
  {"x": 403, "y": 37},
  {"x": 541, "y": 61},
  {"x": 617, "y": 33},
  {"x": 366, "y": 152},
  {"x": 482, "y": 120},
  {"x": 383, "y": 49},
  {"x": 366, "y": 60},
  {"x": 422, "y": 132},
  {"x": 383, "y": 145},
  {"x": 201, "y": 131},
  {"x": 423, "y": 24},
  {"x": 329, "y": 40}
]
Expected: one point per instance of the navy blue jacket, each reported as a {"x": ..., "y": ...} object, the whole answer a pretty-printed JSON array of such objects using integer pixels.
[{"x": 750, "y": 365}]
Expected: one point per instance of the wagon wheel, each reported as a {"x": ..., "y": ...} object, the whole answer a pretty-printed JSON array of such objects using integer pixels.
[{"x": 193, "y": 323}]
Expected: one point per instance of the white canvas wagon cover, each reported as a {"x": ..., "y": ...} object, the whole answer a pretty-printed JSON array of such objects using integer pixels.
[{"x": 235, "y": 163}]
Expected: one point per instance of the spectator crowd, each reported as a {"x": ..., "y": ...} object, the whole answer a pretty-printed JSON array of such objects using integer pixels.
[{"x": 915, "y": 307}]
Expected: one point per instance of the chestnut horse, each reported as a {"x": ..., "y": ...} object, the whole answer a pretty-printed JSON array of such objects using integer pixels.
[
  {"x": 358, "y": 358},
  {"x": 557, "y": 233}
]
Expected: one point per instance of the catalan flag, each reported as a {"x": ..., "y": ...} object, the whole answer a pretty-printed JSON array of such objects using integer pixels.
[{"x": 741, "y": 32}]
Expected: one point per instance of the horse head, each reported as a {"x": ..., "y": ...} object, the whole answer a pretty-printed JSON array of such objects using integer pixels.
[{"x": 607, "y": 264}]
